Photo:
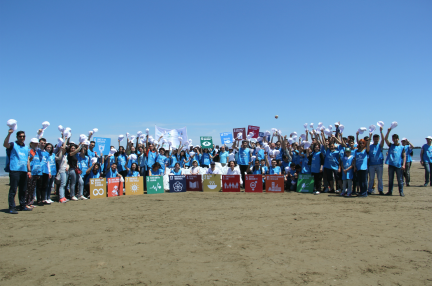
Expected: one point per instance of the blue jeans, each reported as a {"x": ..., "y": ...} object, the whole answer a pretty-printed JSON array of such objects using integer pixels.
[
  {"x": 76, "y": 179},
  {"x": 48, "y": 188},
  {"x": 63, "y": 181},
  {"x": 17, "y": 181},
  {"x": 399, "y": 175},
  {"x": 428, "y": 174},
  {"x": 378, "y": 170}
]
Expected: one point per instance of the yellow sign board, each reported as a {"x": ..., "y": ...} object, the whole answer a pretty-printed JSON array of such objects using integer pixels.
[
  {"x": 212, "y": 183},
  {"x": 98, "y": 188},
  {"x": 134, "y": 186}
]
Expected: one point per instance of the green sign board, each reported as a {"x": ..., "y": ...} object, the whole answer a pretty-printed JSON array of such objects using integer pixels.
[
  {"x": 305, "y": 183},
  {"x": 155, "y": 185},
  {"x": 206, "y": 142}
]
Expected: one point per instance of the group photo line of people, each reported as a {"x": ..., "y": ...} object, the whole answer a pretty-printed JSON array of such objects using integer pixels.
[{"x": 346, "y": 165}]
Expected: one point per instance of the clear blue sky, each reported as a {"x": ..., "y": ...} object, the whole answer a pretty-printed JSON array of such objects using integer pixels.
[{"x": 124, "y": 66}]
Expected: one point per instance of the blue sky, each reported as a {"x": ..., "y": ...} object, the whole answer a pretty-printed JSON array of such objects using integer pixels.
[{"x": 124, "y": 66}]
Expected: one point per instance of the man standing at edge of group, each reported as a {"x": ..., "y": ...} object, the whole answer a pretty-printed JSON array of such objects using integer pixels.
[
  {"x": 426, "y": 160},
  {"x": 408, "y": 149},
  {"x": 376, "y": 160},
  {"x": 19, "y": 166},
  {"x": 243, "y": 158},
  {"x": 396, "y": 162}
]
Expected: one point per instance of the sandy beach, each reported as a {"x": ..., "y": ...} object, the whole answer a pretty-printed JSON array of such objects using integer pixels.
[{"x": 222, "y": 239}]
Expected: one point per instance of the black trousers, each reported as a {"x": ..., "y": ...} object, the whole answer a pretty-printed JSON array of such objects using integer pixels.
[
  {"x": 17, "y": 181},
  {"x": 41, "y": 186},
  {"x": 243, "y": 169},
  {"x": 317, "y": 180}
]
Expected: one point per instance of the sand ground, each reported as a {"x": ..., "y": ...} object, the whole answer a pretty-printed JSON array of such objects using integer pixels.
[{"x": 222, "y": 239}]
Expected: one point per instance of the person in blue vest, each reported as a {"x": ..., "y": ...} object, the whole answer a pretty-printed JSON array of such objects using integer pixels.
[
  {"x": 49, "y": 148},
  {"x": 331, "y": 165},
  {"x": 83, "y": 163},
  {"x": 361, "y": 165},
  {"x": 35, "y": 172},
  {"x": 151, "y": 154},
  {"x": 317, "y": 163},
  {"x": 426, "y": 160},
  {"x": 243, "y": 158},
  {"x": 121, "y": 161},
  {"x": 156, "y": 170},
  {"x": 111, "y": 170},
  {"x": 205, "y": 158},
  {"x": 176, "y": 170},
  {"x": 347, "y": 167},
  {"x": 273, "y": 169},
  {"x": 133, "y": 171},
  {"x": 42, "y": 183},
  {"x": 396, "y": 162},
  {"x": 376, "y": 161},
  {"x": 182, "y": 159},
  {"x": 19, "y": 166},
  {"x": 93, "y": 172},
  {"x": 162, "y": 159},
  {"x": 408, "y": 150}
]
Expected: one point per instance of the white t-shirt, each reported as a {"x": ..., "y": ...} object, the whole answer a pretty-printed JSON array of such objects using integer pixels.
[
  {"x": 216, "y": 171},
  {"x": 234, "y": 172},
  {"x": 195, "y": 170}
]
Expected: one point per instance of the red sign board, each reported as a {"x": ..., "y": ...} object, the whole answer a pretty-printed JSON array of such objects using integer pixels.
[
  {"x": 255, "y": 130},
  {"x": 275, "y": 184},
  {"x": 254, "y": 184},
  {"x": 115, "y": 187},
  {"x": 236, "y": 131},
  {"x": 230, "y": 183},
  {"x": 193, "y": 183}
]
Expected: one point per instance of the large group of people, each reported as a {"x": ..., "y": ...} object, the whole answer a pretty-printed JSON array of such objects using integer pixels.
[{"x": 345, "y": 165}]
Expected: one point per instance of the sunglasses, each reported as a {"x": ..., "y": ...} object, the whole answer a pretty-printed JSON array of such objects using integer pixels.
[{"x": 22, "y": 136}]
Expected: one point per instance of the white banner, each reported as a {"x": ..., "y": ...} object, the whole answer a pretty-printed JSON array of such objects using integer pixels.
[{"x": 171, "y": 135}]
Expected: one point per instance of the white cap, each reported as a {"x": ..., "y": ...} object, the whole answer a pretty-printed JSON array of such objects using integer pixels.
[
  {"x": 34, "y": 140},
  {"x": 404, "y": 139},
  {"x": 429, "y": 137}
]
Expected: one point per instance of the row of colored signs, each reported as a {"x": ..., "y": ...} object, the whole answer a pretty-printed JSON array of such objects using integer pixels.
[
  {"x": 183, "y": 183},
  {"x": 228, "y": 137}
]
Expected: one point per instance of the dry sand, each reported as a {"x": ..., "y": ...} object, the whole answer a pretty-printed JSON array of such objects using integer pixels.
[{"x": 222, "y": 239}]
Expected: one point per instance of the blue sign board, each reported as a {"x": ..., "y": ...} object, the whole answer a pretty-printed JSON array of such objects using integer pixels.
[
  {"x": 102, "y": 145},
  {"x": 177, "y": 183},
  {"x": 226, "y": 138}
]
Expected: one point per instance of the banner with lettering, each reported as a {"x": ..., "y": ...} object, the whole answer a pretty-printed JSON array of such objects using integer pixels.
[
  {"x": 226, "y": 138},
  {"x": 305, "y": 183},
  {"x": 102, "y": 145},
  {"x": 155, "y": 185},
  {"x": 97, "y": 188},
  {"x": 212, "y": 183},
  {"x": 115, "y": 187},
  {"x": 193, "y": 183},
  {"x": 254, "y": 184},
  {"x": 254, "y": 129},
  {"x": 134, "y": 186},
  {"x": 275, "y": 184},
  {"x": 177, "y": 183},
  {"x": 236, "y": 131},
  {"x": 231, "y": 183}
]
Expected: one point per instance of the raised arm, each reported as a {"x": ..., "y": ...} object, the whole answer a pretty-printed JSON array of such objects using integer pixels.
[
  {"x": 382, "y": 138},
  {"x": 76, "y": 150},
  {"x": 386, "y": 137},
  {"x": 6, "y": 141},
  {"x": 368, "y": 143}
]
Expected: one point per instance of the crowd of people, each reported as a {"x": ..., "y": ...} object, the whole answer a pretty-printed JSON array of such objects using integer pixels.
[{"x": 344, "y": 165}]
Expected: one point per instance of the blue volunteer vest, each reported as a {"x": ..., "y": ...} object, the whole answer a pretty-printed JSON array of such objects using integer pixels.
[
  {"x": 346, "y": 163},
  {"x": 361, "y": 159},
  {"x": 36, "y": 164},
  {"x": 316, "y": 162},
  {"x": 394, "y": 157},
  {"x": 19, "y": 157},
  {"x": 375, "y": 155},
  {"x": 243, "y": 156}
]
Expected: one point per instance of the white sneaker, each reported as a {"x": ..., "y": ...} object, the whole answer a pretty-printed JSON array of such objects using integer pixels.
[
  {"x": 51, "y": 201},
  {"x": 317, "y": 193},
  {"x": 74, "y": 198},
  {"x": 82, "y": 198}
]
